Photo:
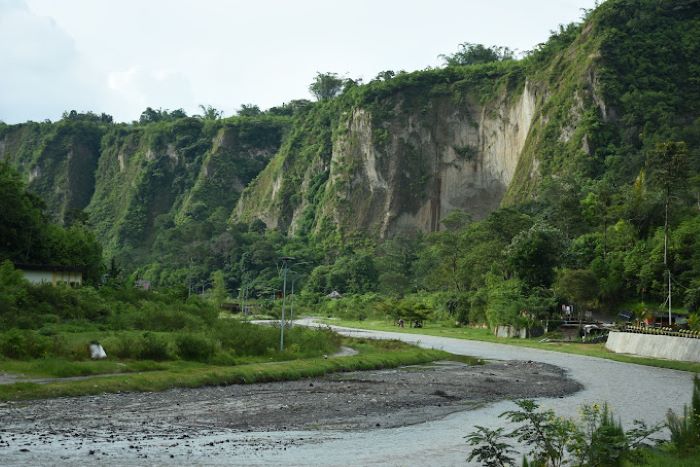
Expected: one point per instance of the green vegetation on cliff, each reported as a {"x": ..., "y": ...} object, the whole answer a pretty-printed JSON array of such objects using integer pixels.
[
  {"x": 489, "y": 190},
  {"x": 585, "y": 217}
]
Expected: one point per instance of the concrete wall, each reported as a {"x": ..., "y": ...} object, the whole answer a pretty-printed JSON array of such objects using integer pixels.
[{"x": 649, "y": 345}]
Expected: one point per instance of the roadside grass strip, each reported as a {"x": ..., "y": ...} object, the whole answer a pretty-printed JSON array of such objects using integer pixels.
[{"x": 484, "y": 335}]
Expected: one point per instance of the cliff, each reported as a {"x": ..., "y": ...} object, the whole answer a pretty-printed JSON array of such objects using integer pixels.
[
  {"x": 134, "y": 183},
  {"x": 400, "y": 154},
  {"x": 397, "y": 154}
]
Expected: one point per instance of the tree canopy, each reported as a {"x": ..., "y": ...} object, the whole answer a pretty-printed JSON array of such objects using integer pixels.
[
  {"x": 326, "y": 86},
  {"x": 473, "y": 54}
]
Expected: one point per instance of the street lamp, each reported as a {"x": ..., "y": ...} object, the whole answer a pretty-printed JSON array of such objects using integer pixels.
[
  {"x": 285, "y": 266},
  {"x": 291, "y": 306}
]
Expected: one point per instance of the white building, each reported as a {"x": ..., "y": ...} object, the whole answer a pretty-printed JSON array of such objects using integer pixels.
[{"x": 45, "y": 274}]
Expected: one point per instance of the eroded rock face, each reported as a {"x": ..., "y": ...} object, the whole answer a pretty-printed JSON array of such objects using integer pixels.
[
  {"x": 409, "y": 172},
  {"x": 400, "y": 165}
]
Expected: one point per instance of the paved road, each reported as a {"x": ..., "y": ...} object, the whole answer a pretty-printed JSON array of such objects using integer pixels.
[{"x": 633, "y": 391}]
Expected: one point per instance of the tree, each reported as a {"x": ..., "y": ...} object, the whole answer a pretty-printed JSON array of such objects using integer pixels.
[
  {"x": 471, "y": 54},
  {"x": 597, "y": 206},
  {"x": 218, "y": 291},
  {"x": 22, "y": 219},
  {"x": 580, "y": 286},
  {"x": 534, "y": 253},
  {"x": 211, "y": 113},
  {"x": 385, "y": 75},
  {"x": 326, "y": 86},
  {"x": 151, "y": 115},
  {"x": 249, "y": 110},
  {"x": 668, "y": 167},
  {"x": 505, "y": 301}
]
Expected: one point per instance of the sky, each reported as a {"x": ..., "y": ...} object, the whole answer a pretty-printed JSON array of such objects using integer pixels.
[{"x": 121, "y": 56}]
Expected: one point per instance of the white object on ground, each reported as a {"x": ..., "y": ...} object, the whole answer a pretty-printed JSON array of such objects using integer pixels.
[{"x": 97, "y": 352}]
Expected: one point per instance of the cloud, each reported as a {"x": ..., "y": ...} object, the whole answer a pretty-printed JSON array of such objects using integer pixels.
[{"x": 43, "y": 73}]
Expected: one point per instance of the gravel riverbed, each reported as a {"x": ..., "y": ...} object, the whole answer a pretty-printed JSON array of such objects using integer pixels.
[{"x": 211, "y": 423}]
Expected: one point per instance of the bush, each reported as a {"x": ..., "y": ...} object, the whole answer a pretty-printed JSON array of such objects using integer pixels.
[
  {"x": 154, "y": 347},
  {"x": 23, "y": 344},
  {"x": 685, "y": 429},
  {"x": 123, "y": 345},
  {"x": 195, "y": 347},
  {"x": 596, "y": 440}
]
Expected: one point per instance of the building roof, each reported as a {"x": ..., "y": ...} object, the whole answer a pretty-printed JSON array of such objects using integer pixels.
[{"x": 47, "y": 267}]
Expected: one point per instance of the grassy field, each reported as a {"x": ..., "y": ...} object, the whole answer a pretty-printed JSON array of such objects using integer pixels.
[
  {"x": 160, "y": 376},
  {"x": 668, "y": 458},
  {"x": 485, "y": 335}
]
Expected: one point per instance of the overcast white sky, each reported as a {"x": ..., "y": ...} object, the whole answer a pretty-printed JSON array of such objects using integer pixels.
[{"x": 120, "y": 56}]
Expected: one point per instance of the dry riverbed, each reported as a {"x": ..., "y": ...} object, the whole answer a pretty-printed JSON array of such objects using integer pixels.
[{"x": 127, "y": 426}]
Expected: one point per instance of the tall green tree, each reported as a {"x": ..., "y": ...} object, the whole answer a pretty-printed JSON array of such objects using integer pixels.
[
  {"x": 579, "y": 286},
  {"x": 326, "y": 86},
  {"x": 668, "y": 168},
  {"x": 21, "y": 221},
  {"x": 534, "y": 253},
  {"x": 218, "y": 290},
  {"x": 210, "y": 112}
]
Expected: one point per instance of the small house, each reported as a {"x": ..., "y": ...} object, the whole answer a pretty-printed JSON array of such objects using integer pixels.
[{"x": 49, "y": 274}]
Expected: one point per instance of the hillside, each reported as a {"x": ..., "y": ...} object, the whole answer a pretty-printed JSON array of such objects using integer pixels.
[
  {"x": 479, "y": 180},
  {"x": 137, "y": 183},
  {"x": 399, "y": 154}
]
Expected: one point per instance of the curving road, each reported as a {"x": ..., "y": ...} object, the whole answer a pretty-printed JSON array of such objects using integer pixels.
[{"x": 633, "y": 391}]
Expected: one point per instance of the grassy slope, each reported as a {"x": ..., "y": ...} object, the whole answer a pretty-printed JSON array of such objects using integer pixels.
[{"x": 591, "y": 350}]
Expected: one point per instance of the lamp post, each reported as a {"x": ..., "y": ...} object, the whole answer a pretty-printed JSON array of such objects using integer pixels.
[
  {"x": 285, "y": 265},
  {"x": 294, "y": 279},
  {"x": 291, "y": 306}
]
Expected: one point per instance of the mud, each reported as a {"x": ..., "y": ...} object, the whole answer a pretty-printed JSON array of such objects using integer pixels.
[{"x": 218, "y": 419}]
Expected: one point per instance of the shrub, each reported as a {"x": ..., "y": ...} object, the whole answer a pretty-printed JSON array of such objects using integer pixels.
[
  {"x": 685, "y": 429},
  {"x": 123, "y": 345},
  {"x": 597, "y": 440},
  {"x": 23, "y": 344},
  {"x": 154, "y": 347},
  {"x": 195, "y": 347}
]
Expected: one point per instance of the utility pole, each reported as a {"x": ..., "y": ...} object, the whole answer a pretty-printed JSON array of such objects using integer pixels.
[
  {"x": 666, "y": 266},
  {"x": 291, "y": 305},
  {"x": 285, "y": 266},
  {"x": 189, "y": 280},
  {"x": 669, "y": 298}
]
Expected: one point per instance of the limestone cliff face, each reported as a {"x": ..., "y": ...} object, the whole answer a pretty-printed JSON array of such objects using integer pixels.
[
  {"x": 133, "y": 183},
  {"x": 447, "y": 157},
  {"x": 153, "y": 181},
  {"x": 400, "y": 166}
]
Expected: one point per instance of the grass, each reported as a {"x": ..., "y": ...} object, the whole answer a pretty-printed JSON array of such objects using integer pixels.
[
  {"x": 485, "y": 335},
  {"x": 667, "y": 457},
  {"x": 61, "y": 367},
  {"x": 373, "y": 355}
]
